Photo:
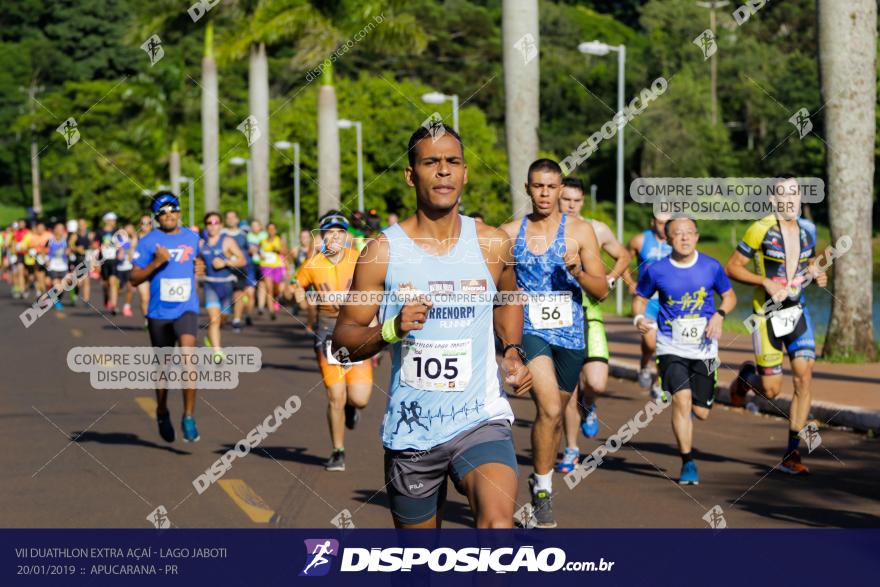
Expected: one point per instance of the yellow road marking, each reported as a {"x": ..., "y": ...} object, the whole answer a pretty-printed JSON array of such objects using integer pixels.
[
  {"x": 247, "y": 500},
  {"x": 76, "y": 333},
  {"x": 147, "y": 404}
]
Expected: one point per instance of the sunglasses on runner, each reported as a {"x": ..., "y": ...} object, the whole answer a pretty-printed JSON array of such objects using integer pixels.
[
  {"x": 167, "y": 210},
  {"x": 212, "y": 222}
]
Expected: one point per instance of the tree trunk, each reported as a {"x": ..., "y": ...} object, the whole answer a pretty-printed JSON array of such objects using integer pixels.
[
  {"x": 35, "y": 177},
  {"x": 519, "y": 25},
  {"x": 847, "y": 62},
  {"x": 174, "y": 168},
  {"x": 328, "y": 145},
  {"x": 259, "y": 106},
  {"x": 210, "y": 124}
]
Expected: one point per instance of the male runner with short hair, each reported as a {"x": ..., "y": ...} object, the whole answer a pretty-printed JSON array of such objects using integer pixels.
[
  {"x": 246, "y": 276},
  {"x": 688, "y": 328},
  {"x": 647, "y": 248},
  {"x": 557, "y": 275},
  {"x": 783, "y": 246},
  {"x": 348, "y": 384},
  {"x": 593, "y": 379},
  {"x": 79, "y": 244},
  {"x": 168, "y": 258},
  {"x": 447, "y": 414}
]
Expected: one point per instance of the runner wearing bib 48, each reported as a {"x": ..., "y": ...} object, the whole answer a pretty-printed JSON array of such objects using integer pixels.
[
  {"x": 783, "y": 247},
  {"x": 555, "y": 277},
  {"x": 447, "y": 414},
  {"x": 688, "y": 328},
  {"x": 168, "y": 258}
]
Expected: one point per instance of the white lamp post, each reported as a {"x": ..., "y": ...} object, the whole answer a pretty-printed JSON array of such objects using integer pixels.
[
  {"x": 286, "y": 145},
  {"x": 238, "y": 161},
  {"x": 438, "y": 98},
  {"x": 344, "y": 123},
  {"x": 599, "y": 48}
]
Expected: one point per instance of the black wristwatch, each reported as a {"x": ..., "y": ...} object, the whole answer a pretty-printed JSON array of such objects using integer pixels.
[{"x": 722, "y": 312}]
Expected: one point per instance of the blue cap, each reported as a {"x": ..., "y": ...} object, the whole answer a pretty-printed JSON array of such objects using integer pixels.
[
  {"x": 334, "y": 221},
  {"x": 162, "y": 200}
]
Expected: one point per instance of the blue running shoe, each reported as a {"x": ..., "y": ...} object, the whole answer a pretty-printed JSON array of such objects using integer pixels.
[
  {"x": 570, "y": 459},
  {"x": 689, "y": 474},
  {"x": 59, "y": 305},
  {"x": 190, "y": 432},
  {"x": 590, "y": 424}
]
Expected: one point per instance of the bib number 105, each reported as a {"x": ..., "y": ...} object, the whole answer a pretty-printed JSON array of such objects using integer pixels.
[{"x": 431, "y": 367}]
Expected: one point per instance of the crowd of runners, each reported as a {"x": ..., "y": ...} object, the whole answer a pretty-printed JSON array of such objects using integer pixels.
[{"x": 431, "y": 282}]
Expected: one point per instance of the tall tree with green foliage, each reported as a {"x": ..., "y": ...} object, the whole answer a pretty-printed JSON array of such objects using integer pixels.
[{"x": 847, "y": 56}]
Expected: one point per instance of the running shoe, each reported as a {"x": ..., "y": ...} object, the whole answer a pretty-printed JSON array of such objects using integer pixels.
[
  {"x": 645, "y": 377},
  {"x": 59, "y": 305},
  {"x": 190, "y": 432},
  {"x": 590, "y": 424},
  {"x": 166, "y": 430},
  {"x": 336, "y": 462},
  {"x": 248, "y": 321},
  {"x": 792, "y": 465},
  {"x": 352, "y": 415},
  {"x": 236, "y": 326},
  {"x": 570, "y": 458},
  {"x": 126, "y": 311},
  {"x": 745, "y": 379},
  {"x": 688, "y": 474},
  {"x": 542, "y": 506}
]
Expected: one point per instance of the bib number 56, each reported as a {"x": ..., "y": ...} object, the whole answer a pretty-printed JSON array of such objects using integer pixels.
[{"x": 548, "y": 313}]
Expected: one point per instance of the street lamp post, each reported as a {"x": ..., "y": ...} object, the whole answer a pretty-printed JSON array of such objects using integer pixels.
[
  {"x": 598, "y": 48},
  {"x": 192, "y": 201},
  {"x": 237, "y": 161},
  {"x": 285, "y": 145},
  {"x": 344, "y": 123},
  {"x": 438, "y": 98}
]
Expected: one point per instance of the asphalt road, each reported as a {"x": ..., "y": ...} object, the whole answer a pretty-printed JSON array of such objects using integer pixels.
[{"x": 80, "y": 457}]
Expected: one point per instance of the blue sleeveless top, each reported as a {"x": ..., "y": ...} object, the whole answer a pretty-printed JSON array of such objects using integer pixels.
[
  {"x": 547, "y": 273},
  {"x": 652, "y": 250},
  {"x": 444, "y": 378},
  {"x": 210, "y": 252}
]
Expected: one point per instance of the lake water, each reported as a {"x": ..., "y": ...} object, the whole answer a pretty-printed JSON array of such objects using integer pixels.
[{"x": 818, "y": 302}]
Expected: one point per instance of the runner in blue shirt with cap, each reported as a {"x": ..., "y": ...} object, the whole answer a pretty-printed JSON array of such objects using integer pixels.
[{"x": 168, "y": 258}]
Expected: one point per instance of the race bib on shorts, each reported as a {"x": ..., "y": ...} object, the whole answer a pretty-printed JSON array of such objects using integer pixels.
[
  {"x": 550, "y": 312},
  {"x": 435, "y": 365},
  {"x": 270, "y": 257},
  {"x": 688, "y": 330},
  {"x": 175, "y": 290},
  {"x": 785, "y": 321}
]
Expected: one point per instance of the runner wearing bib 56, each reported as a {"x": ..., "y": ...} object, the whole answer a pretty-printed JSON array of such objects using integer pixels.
[{"x": 556, "y": 277}]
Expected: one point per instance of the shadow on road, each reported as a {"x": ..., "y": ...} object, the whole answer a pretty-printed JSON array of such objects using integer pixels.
[
  {"x": 294, "y": 454},
  {"x": 123, "y": 438}
]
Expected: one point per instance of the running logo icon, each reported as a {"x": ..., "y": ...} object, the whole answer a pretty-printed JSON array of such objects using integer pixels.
[
  {"x": 706, "y": 43},
  {"x": 153, "y": 48},
  {"x": 319, "y": 556},
  {"x": 715, "y": 518},
  {"x": 810, "y": 435},
  {"x": 801, "y": 121},
  {"x": 69, "y": 131}
]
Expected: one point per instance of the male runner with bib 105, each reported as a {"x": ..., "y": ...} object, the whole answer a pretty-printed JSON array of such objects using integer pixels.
[{"x": 447, "y": 414}]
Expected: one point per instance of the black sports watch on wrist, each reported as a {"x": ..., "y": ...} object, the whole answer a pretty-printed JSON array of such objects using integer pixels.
[
  {"x": 722, "y": 312},
  {"x": 519, "y": 351}
]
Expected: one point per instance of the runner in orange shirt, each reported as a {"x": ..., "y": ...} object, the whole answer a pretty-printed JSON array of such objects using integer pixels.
[{"x": 348, "y": 384}]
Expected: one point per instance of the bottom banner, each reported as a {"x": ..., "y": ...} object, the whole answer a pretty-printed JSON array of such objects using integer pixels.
[{"x": 482, "y": 557}]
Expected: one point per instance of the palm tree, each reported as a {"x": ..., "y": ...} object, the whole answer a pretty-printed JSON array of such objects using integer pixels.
[
  {"x": 328, "y": 144},
  {"x": 519, "y": 33},
  {"x": 847, "y": 61},
  {"x": 210, "y": 123}
]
